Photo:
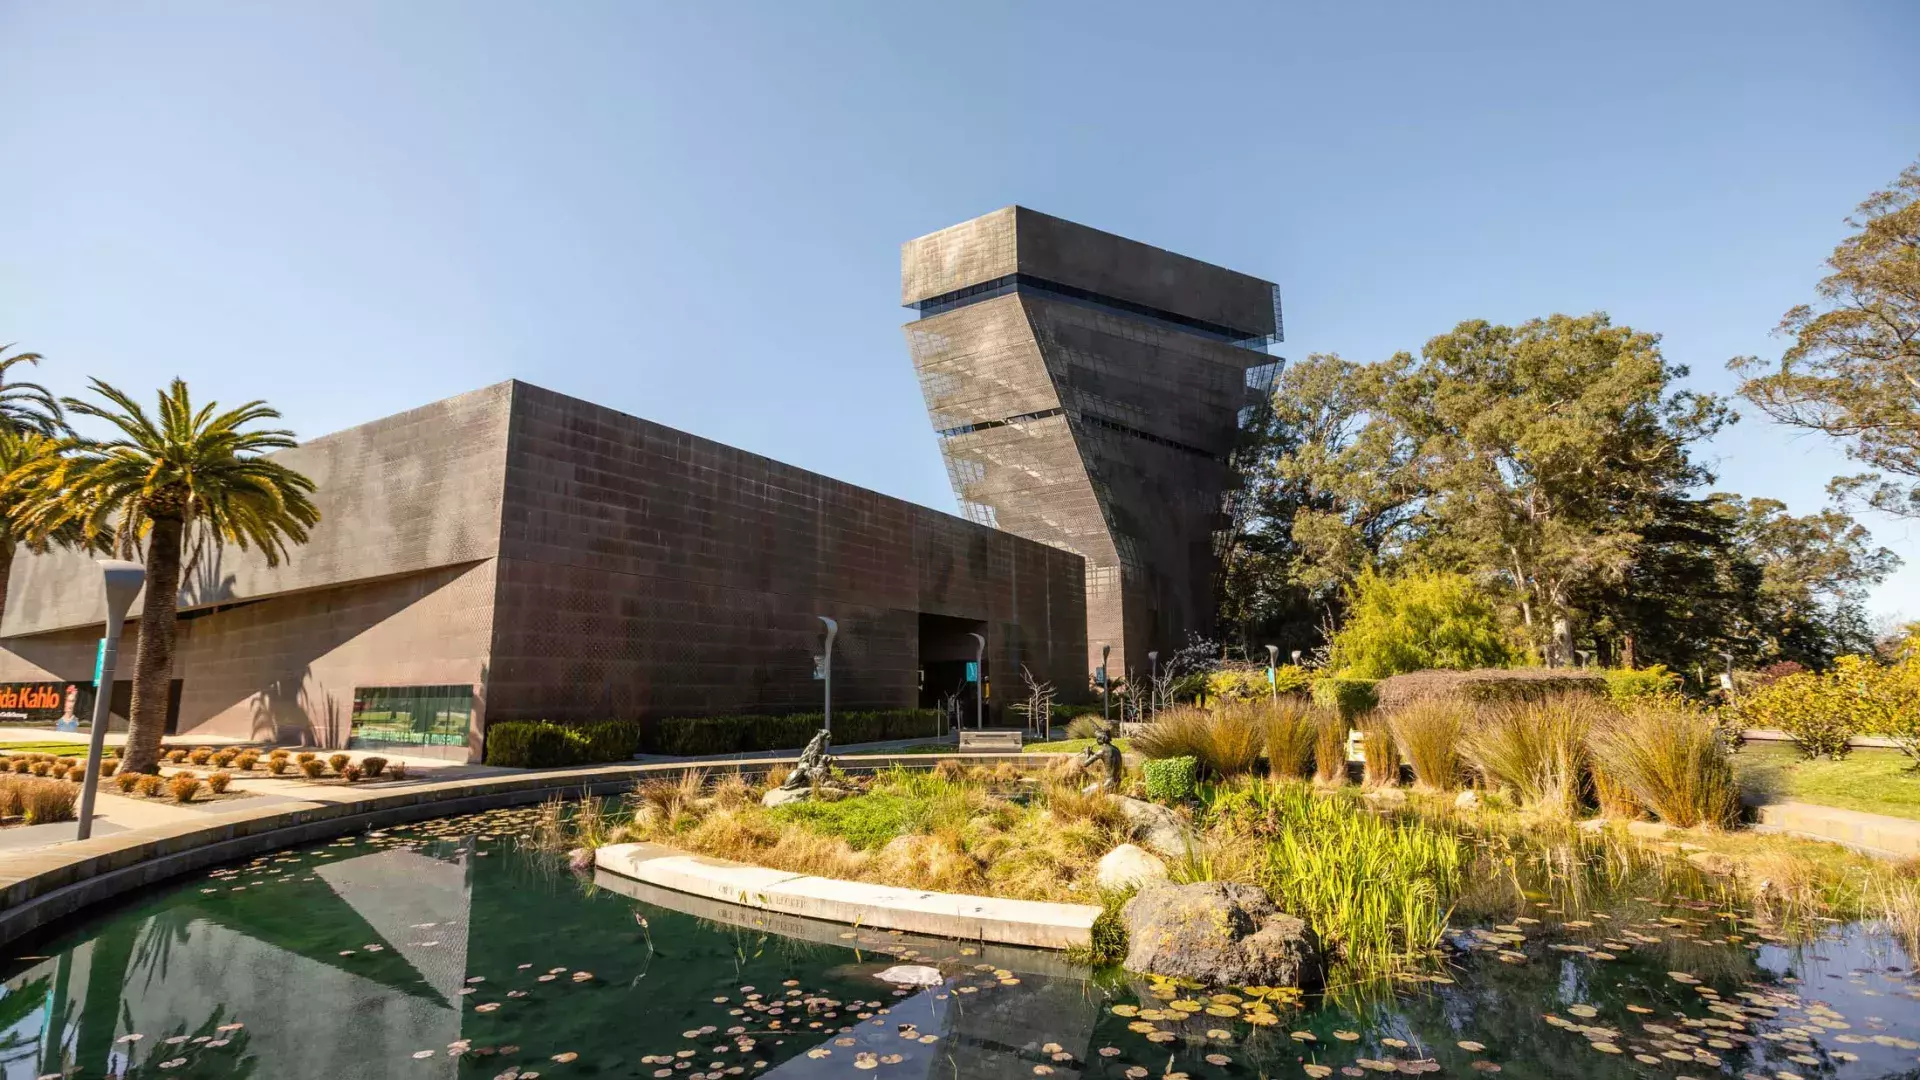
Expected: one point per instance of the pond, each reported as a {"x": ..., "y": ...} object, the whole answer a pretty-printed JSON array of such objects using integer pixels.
[{"x": 445, "y": 950}]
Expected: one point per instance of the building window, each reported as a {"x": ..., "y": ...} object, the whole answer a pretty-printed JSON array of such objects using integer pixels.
[{"x": 403, "y": 716}]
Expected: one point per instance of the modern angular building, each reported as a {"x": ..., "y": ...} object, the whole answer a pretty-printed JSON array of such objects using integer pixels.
[
  {"x": 513, "y": 553},
  {"x": 1090, "y": 392}
]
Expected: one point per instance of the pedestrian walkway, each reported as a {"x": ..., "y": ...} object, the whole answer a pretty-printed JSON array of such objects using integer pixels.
[{"x": 1873, "y": 834}]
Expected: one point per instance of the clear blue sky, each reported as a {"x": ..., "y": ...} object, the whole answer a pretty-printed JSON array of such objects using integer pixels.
[{"x": 693, "y": 212}]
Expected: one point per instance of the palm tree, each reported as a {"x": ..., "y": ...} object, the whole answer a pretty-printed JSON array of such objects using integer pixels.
[
  {"x": 25, "y": 456},
  {"x": 183, "y": 476},
  {"x": 26, "y": 406}
]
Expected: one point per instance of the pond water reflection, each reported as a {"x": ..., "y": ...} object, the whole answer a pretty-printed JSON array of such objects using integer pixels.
[{"x": 442, "y": 950}]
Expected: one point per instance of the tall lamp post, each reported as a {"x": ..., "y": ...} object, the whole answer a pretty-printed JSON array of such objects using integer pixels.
[
  {"x": 1273, "y": 671},
  {"x": 1106, "y": 717},
  {"x": 826, "y": 677},
  {"x": 123, "y": 581},
  {"x": 1153, "y": 686},
  {"x": 980, "y": 681}
]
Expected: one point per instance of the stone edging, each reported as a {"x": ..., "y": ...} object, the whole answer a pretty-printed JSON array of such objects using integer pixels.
[
  {"x": 1032, "y": 923},
  {"x": 41, "y": 885},
  {"x": 1871, "y": 834}
]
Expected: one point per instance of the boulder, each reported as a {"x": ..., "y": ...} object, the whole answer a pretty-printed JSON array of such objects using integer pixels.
[
  {"x": 1158, "y": 827},
  {"x": 1391, "y": 796},
  {"x": 912, "y": 975},
  {"x": 783, "y": 796},
  {"x": 1714, "y": 863},
  {"x": 1130, "y": 864},
  {"x": 1220, "y": 934},
  {"x": 1467, "y": 799}
]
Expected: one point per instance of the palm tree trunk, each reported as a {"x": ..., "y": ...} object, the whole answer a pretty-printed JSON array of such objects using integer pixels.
[
  {"x": 6, "y": 572},
  {"x": 153, "y": 662}
]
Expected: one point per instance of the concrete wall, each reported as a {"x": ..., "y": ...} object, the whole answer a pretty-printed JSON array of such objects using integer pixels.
[{"x": 647, "y": 572}]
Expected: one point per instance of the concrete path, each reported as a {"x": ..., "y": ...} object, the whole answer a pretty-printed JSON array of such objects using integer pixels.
[{"x": 1873, "y": 834}]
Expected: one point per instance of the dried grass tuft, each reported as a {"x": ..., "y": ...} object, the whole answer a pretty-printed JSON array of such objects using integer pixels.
[{"x": 1430, "y": 734}]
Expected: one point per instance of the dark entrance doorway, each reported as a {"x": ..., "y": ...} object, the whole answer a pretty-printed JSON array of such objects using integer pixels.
[{"x": 946, "y": 648}]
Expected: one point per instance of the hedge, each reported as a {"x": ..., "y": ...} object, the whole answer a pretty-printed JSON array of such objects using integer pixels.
[
  {"x": 1351, "y": 698},
  {"x": 1172, "y": 780},
  {"x": 543, "y": 745},
  {"x": 689, "y": 736},
  {"x": 1488, "y": 685}
]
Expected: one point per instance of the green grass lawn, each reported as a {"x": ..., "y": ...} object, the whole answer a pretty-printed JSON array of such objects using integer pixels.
[
  {"x": 60, "y": 749},
  {"x": 1874, "y": 781},
  {"x": 1068, "y": 746}
]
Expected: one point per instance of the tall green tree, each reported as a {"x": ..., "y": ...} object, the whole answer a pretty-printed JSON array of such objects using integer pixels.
[
  {"x": 30, "y": 421},
  {"x": 183, "y": 475},
  {"x": 1545, "y": 451},
  {"x": 26, "y": 406},
  {"x": 25, "y": 457},
  {"x": 1853, "y": 370}
]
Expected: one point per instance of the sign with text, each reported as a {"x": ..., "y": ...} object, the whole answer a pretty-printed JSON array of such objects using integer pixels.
[
  {"x": 46, "y": 702},
  {"x": 973, "y": 671}
]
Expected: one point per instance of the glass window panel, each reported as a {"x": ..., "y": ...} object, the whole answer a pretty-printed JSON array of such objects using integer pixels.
[{"x": 411, "y": 716}]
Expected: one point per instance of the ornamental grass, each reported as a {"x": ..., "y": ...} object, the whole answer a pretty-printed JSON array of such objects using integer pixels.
[
  {"x": 1539, "y": 750},
  {"x": 1429, "y": 734},
  {"x": 35, "y": 801},
  {"x": 1287, "y": 730},
  {"x": 1671, "y": 760},
  {"x": 1330, "y": 746},
  {"x": 1381, "y": 753}
]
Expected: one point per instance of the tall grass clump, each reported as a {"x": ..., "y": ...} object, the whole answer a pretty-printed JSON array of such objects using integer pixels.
[
  {"x": 1673, "y": 762},
  {"x": 36, "y": 801},
  {"x": 1539, "y": 750},
  {"x": 1330, "y": 746},
  {"x": 1381, "y": 752},
  {"x": 1287, "y": 730},
  {"x": 1377, "y": 890},
  {"x": 1430, "y": 734},
  {"x": 1899, "y": 904},
  {"x": 1225, "y": 742}
]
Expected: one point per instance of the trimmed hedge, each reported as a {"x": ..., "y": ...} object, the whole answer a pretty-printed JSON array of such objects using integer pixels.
[
  {"x": 687, "y": 736},
  {"x": 1488, "y": 685},
  {"x": 1351, "y": 698},
  {"x": 544, "y": 745},
  {"x": 1172, "y": 780}
]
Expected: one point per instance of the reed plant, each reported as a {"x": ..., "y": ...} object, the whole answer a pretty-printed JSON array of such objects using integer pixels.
[
  {"x": 1330, "y": 746},
  {"x": 1381, "y": 752},
  {"x": 1898, "y": 901},
  {"x": 1672, "y": 761},
  {"x": 1287, "y": 731},
  {"x": 1226, "y": 742},
  {"x": 1430, "y": 733},
  {"x": 37, "y": 802},
  {"x": 1538, "y": 749}
]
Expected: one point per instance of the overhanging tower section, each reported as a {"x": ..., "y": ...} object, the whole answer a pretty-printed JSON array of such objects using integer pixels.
[{"x": 1092, "y": 393}]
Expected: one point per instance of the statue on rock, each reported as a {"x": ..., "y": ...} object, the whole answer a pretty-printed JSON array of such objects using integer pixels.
[
  {"x": 813, "y": 768},
  {"x": 1102, "y": 756}
]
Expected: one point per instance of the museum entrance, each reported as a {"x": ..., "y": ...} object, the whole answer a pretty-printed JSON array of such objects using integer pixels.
[{"x": 947, "y": 649}]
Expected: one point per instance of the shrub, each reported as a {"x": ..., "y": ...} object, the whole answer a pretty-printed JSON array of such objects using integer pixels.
[
  {"x": 176, "y": 756},
  {"x": 1172, "y": 780},
  {"x": 1287, "y": 731},
  {"x": 314, "y": 768},
  {"x": 1429, "y": 734},
  {"x": 42, "y": 768},
  {"x": 1381, "y": 752},
  {"x": 245, "y": 762},
  {"x": 1085, "y": 727},
  {"x": 685, "y": 736},
  {"x": 149, "y": 784},
  {"x": 612, "y": 740},
  {"x": 279, "y": 752},
  {"x": 372, "y": 766},
  {"x": 1672, "y": 762},
  {"x": 1330, "y": 747},
  {"x": 305, "y": 756},
  {"x": 1250, "y": 683},
  {"x": 108, "y": 766},
  {"x": 277, "y": 765},
  {"x": 183, "y": 786},
  {"x": 1225, "y": 742},
  {"x": 126, "y": 782},
  {"x": 397, "y": 770},
  {"x": 536, "y": 745},
  {"x": 352, "y": 773},
  {"x": 1351, "y": 698},
  {"x": 223, "y": 758},
  {"x": 339, "y": 762},
  {"x": 1627, "y": 684},
  {"x": 1418, "y": 622},
  {"x": 218, "y": 782},
  {"x": 199, "y": 755},
  {"x": 1816, "y": 711},
  {"x": 1538, "y": 750}
]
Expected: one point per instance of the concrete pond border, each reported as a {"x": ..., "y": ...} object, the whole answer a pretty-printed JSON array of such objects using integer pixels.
[{"x": 39, "y": 886}]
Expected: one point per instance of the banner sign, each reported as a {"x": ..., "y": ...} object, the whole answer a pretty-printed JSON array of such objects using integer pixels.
[
  {"x": 46, "y": 702},
  {"x": 973, "y": 671}
]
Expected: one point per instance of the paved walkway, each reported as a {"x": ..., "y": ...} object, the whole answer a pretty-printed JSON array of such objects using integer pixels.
[{"x": 1873, "y": 834}]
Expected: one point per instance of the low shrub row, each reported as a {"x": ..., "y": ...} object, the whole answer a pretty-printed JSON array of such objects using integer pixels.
[
  {"x": 689, "y": 736},
  {"x": 543, "y": 745},
  {"x": 1823, "y": 711},
  {"x": 1487, "y": 685}
]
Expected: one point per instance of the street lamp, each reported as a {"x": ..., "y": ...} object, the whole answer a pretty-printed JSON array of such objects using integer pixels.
[
  {"x": 980, "y": 681},
  {"x": 1296, "y": 658},
  {"x": 826, "y": 677},
  {"x": 1273, "y": 672},
  {"x": 1153, "y": 686},
  {"x": 1106, "y": 718},
  {"x": 122, "y": 581}
]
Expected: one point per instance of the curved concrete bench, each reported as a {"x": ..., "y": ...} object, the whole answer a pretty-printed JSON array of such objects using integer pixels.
[{"x": 1033, "y": 923}]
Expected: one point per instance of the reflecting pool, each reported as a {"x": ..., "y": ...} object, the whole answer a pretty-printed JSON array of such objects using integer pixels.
[{"x": 444, "y": 950}]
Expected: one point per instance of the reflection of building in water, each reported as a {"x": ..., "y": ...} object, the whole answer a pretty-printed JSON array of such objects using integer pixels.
[{"x": 189, "y": 970}]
